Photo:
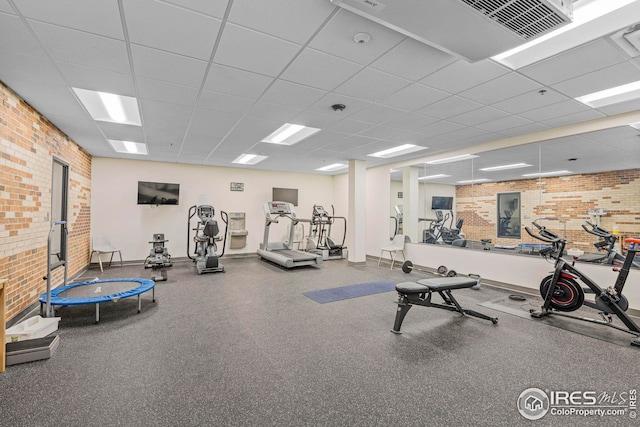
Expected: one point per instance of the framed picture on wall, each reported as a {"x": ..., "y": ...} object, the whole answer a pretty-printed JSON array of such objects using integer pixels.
[
  {"x": 399, "y": 194},
  {"x": 509, "y": 218}
]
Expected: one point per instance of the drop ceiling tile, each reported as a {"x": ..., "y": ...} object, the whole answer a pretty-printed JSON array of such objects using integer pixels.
[
  {"x": 336, "y": 38},
  {"x": 236, "y": 82},
  {"x": 215, "y": 8},
  {"x": 170, "y": 28},
  {"x": 249, "y": 50},
  {"x": 602, "y": 79},
  {"x": 556, "y": 110},
  {"x": 292, "y": 95},
  {"x": 97, "y": 79},
  {"x": 199, "y": 144},
  {"x": 320, "y": 70},
  {"x": 26, "y": 67},
  {"x": 523, "y": 130},
  {"x": 47, "y": 98},
  {"x": 371, "y": 85},
  {"x": 97, "y": 17},
  {"x": 15, "y": 37},
  {"x": 439, "y": 128},
  {"x": 77, "y": 47},
  {"x": 612, "y": 134},
  {"x": 412, "y": 60},
  {"x": 622, "y": 107},
  {"x": 502, "y": 124},
  {"x": 376, "y": 114},
  {"x": 352, "y": 105},
  {"x": 349, "y": 126},
  {"x": 413, "y": 97},
  {"x": 449, "y": 107},
  {"x": 6, "y": 7},
  {"x": 478, "y": 116},
  {"x": 410, "y": 121},
  {"x": 392, "y": 134},
  {"x": 162, "y": 115},
  {"x": 316, "y": 120},
  {"x": 500, "y": 88},
  {"x": 570, "y": 119},
  {"x": 168, "y": 67},
  {"x": 584, "y": 59},
  {"x": 158, "y": 90},
  {"x": 212, "y": 123},
  {"x": 274, "y": 17},
  {"x": 223, "y": 102},
  {"x": 121, "y": 132},
  {"x": 274, "y": 113},
  {"x": 462, "y": 75},
  {"x": 531, "y": 101}
]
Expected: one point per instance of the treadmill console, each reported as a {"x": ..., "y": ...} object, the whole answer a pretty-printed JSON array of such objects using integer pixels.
[
  {"x": 280, "y": 208},
  {"x": 319, "y": 211}
]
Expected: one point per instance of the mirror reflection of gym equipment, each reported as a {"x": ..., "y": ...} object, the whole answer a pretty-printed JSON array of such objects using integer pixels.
[
  {"x": 508, "y": 207},
  {"x": 206, "y": 235}
]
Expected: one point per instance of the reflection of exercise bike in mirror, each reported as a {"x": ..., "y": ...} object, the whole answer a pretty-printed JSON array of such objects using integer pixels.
[
  {"x": 504, "y": 227},
  {"x": 206, "y": 236},
  {"x": 606, "y": 248},
  {"x": 562, "y": 292}
]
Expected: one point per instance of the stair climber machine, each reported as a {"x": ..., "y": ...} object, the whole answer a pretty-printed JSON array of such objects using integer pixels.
[
  {"x": 159, "y": 259},
  {"x": 282, "y": 253},
  {"x": 319, "y": 239},
  {"x": 205, "y": 238}
]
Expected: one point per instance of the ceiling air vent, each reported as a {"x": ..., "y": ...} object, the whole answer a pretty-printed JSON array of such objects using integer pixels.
[{"x": 471, "y": 29}]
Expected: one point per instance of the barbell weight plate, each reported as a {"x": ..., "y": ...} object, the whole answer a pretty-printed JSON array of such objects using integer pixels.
[
  {"x": 452, "y": 273},
  {"x": 407, "y": 266},
  {"x": 442, "y": 270}
]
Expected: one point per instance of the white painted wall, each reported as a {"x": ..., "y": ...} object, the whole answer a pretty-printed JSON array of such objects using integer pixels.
[{"x": 116, "y": 214}]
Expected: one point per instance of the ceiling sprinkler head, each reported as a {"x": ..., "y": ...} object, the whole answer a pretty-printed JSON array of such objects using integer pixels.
[
  {"x": 338, "y": 107},
  {"x": 362, "y": 38}
]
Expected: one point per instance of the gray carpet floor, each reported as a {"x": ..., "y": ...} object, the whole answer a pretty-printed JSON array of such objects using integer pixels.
[{"x": 247, "y": 348}]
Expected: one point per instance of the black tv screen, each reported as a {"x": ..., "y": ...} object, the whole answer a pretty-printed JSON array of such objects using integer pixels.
[
  {"x": 285, "y": 195},
  {"x": 441, "y": 203},
  {"x": 158, "y": 193}
]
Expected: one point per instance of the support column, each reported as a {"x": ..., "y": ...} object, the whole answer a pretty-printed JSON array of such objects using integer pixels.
[
  {"x": 410, "y": 202},
  {"x": 357, "y": 213}
]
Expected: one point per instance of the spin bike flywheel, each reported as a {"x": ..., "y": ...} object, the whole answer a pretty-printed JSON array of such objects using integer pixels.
[{"x": 567, "y": 294}]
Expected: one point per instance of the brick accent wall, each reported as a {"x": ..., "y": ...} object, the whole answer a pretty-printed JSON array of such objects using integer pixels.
[
  {"x": 28, "y": 142},
  {"x": 567, "y": 198}
]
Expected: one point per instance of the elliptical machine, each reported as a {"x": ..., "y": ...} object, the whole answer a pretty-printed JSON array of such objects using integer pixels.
[
  {"x": 320, "y": 240},
  {"x": 562, "y": 293},
  {"x": 205, "y": 238},
  {"x": 159, "y": 259},
  {"x": 606, "y": 248}
]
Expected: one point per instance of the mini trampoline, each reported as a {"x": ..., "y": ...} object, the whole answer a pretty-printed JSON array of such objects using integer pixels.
[{"x": 99, "y": 291}]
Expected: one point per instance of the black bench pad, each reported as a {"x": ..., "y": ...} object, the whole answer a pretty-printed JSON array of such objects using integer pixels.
[
  {"x": 409, "y": 288},
  {"x": 448, "y": 283}
]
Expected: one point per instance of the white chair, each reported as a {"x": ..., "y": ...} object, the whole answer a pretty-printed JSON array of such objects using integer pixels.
[
  {"x": 397, "y": 244},
  {"x": 102, "y": 246}
]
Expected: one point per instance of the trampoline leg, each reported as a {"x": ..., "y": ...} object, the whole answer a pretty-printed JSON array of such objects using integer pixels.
[
  {"x": 153, "y": 293},
  {"x": 97, "y": 313},
  {"x": 139, "y": 304}
]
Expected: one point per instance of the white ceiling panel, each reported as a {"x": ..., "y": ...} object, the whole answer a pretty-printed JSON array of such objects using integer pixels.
[
  {"x": 236, "y": 82},
  {"x": 352, "y": 105},
  {"x": 348, "y": 126},
  {"x": 530, "y": 101},
  {"x": 292, "y": 95},
  {"x": 161, "y": 114},
  {"x": 503, "y": 124},
  {"x": 371, "y": 85},
  {"x": 320, "y": 70},
  {"x": 596, "y": 81},
  {"x": 217, "y": 101},
  {"x": 166, "y": 27},
  {"x": 569, "y": 119},
  {"x": 500, "y": 88},
  {"x": 97, "y": 79},
  {"x": 214, "y": 8},
  {"x": 412, "y": 60},
  {"x": 410, "y": 121},
  {"x": 157, "y": 90},
  {"x": 6, "y": 8},
  {"x": 97, "y": 17},
  {"x": 25, "y": 67},
  {"x": 77, "y": 47},
  {"x": 622, "y": 107},
  {"x": 274, "y": 113},
  {"x": 316, "y": 120},
  {"x": 336, "y": 38},
  {"x": 392, "y": 134},
  {"x": 478, "y": 116},
  {"x": 563, "y": 108},
  {"x": 582, "y": 60},
  {"x": 439, "y": 128},
  {"x": 247, "y": 49},
  {"x": 121, "y": 132},
  {"x": 413, "y": 97},
  {"x": 214, "y": 123},
  {"x": 526, "y": 129},
  {"x": 48, "y": 99},
  {"x": 462, "y": 75},
  {"x": 15, "y": 37},
  {"x": 168, "y": 67},
  {"x": 376, "y": 114},
  {"x": 274, "y": 17},
  {"x": 449, "y": 107}
]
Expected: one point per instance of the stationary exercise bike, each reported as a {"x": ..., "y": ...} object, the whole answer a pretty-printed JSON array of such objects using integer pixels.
[
  {"x": 206, "y": 236},
  {"x": 562, "y": 293},
  {"x": 606, "y": 247}
]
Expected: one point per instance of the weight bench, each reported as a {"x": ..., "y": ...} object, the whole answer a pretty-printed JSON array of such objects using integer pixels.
[{"x": 420, "y": 293}]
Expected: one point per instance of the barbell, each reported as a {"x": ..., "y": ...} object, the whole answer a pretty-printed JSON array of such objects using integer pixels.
[{"x": 408, "y": 267}]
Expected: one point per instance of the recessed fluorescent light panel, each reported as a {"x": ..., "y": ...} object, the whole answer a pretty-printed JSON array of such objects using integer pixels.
[
  {"x": 635, "y": 125},
  {"x": 473, "y": 181},
  {"x": 397, "y": 151},
  {"x": 612, "y": 95},
  {"x": 505, "y": 167},
  {"x": 249, "y": 159},
  {"x": 547, "y": 173},
  {"x": 333, "y": 167},
  {"x": 129, "y": 147},
  {"x": 452, "y": 159},
  {"x": 440, "y": 175},
  {"x": 109, "y": 107},
  {"x": 289, "y": 134}
]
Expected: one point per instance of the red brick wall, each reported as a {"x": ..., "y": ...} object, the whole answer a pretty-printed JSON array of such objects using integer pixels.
[
  {"x": 567, "y": 198},
  {"x": 28, "y": 142}
]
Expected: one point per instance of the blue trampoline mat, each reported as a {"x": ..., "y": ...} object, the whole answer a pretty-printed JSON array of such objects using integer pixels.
[{"x": 323, "y": 296}]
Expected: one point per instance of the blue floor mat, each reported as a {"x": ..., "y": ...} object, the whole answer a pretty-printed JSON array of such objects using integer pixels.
[{"x": 352, "y": 291}]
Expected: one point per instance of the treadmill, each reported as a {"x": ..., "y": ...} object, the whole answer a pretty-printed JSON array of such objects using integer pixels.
[{"x": 283, "y": 253}]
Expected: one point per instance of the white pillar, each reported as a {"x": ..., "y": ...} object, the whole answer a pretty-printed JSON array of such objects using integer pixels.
[
  {"x": 410, "y": 202},
  {"x": 357, "y": 213}
]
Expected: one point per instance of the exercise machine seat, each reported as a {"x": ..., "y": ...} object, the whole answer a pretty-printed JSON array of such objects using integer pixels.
[
  {"x": 411, "y": 288},
  {"x": 448, "y": 283}
]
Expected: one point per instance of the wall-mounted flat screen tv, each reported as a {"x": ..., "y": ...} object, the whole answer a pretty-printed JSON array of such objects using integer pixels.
[
  {"x": 158, "y": 193},
  {"x": 285, "y": 195},
  {"x": 441, "y": 203}
]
